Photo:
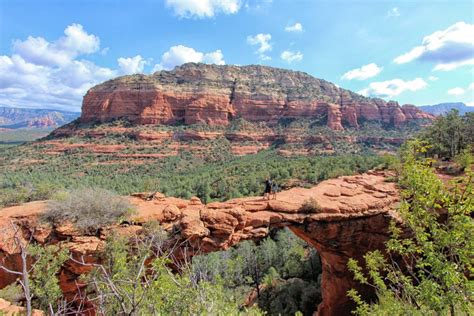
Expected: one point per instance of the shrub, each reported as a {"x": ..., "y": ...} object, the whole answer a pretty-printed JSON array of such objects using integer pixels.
[
  {"x": 88, "y": 209},
  {"x": 12, "y": 293},
  {"x": 310, "y": 206},
  {"x": 10, "y": 196},
  {"x": 289, "y": 297},
  {"x": 25, "y": 192},
  {"x": 393, "y": 179},
  {"x": 435, "y": 244},
  {"x": 465, "y": 159}
]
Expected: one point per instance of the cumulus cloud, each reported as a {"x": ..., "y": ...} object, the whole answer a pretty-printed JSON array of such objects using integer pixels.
[
  {"x": 39, "y": 51},
  {"x": 203, "y": 8},
  {"x": 297, "y": 27},
  {"x": 55, "y": 74},
  {"x": 262, "y": 41},
  {"x": 42, "y": 73},
  {"x": 180, "y": 54},
  {"x": 432, "y": 78},
  {"x": 131, "y": 65},
  {"x": 26, "y": 84},
  {"x": 290, "y": 56},
  {"x": 449, "y": 49},
  {"x": 394, "y": 87},
  {"x": 456, "y": 91},
  {"x": 471, "y": 86},
  {"x": 362, "y": 73}
]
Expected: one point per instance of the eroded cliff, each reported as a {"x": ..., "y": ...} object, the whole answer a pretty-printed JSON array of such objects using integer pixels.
[{"x": 212, "y": 94}]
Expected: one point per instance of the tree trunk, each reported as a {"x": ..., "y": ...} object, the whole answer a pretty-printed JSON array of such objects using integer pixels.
[{"x": 26, "y": 281}]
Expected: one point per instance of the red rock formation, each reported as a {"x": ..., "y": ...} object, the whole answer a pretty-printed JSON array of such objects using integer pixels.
[
  {"x": 412, "y": 113},
  {"x": 198, "y": 93},
  {"x": 334, "y": 118},
  {"x": 352, "y": 219},
  {"x": 350, "y": 113}
]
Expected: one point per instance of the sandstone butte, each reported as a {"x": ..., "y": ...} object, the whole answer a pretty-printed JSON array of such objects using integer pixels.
[
  {"x": 199, "y": 93},
  {"x": 354, "y": 215}
]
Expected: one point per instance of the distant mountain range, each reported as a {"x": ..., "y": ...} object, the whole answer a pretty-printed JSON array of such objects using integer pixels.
[
  {"x": 14, "y": 118},
  {"x": 442, "y": 108}
]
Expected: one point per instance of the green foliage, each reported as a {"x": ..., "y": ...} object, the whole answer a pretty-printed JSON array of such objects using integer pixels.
[
  {"x": 88, "y": 209},
  {"x": 450, "y": 134},
  {"x": 26, "y": 192},
  {"x": 283, "y": 263},
  {"x": 289, "y": 297},
  {"x": 436, "y": 247},
  {"x": 182, "y": 176},
  {"x": 465, "y": 159},
  {"x": 123, "y": 285},
  {"x": 43, "y": 280},
  {"x": 12, "y": 293},
  {"x": 192, "y": 172}
]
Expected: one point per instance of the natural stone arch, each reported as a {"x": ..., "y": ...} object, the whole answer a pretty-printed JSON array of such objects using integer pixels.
[{"x": 352, "y": 218}]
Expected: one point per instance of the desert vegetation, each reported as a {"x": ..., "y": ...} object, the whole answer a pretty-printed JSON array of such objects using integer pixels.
[
  {"x": 182, "y": 176},
  {"x": 87, "y": 209},
  {"x": 140, "y": 275},
  {"x": 428, "y": 266},
  {"x": 270, "y": 270},
  {"x": 450, "y": 135},
  {"x": 124, "y": 164},
  {"x": 310, "y": 206}
]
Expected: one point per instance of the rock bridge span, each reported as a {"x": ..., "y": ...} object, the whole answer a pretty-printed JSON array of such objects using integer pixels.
[{"x": 351, "y": 218}]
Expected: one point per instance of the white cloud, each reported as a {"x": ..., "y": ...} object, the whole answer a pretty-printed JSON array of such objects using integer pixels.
[
  {"x": 394, "y": 87},
  {"x": 54, "y": 74},
  {"x": 449, "y": 49},
  {"x": 180, "y": 54},
  {"x": 157, "y": 67},
  {"x": 393, "y": 13},
  {"x": 454, "y": 65},
  {"x": 203, "y": 8},
  {"x": 471, "y": 86},
  {"x": 131, "y": 65},
  {"x": 39, "y": 51},
  {"x": 263, "y": 42},
  {"x": 41, "y": 73},
  {"x": 469, "y": 103},
  {"x": 362, "y": 73},
  {"x": 456, "y": 91},
  {"x": 215, "y": 57},
  {"x": 432, "y": 78},
  {"x": 290, "y": 56},
  {"x": 26, "y": 84},
  {"x": 297, "y": 27}
]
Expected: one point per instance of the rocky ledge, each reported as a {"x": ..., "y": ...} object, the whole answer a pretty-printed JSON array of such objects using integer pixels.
[
  {"x": 199, "y": 93},
  {"x": 352, "y": 217}
]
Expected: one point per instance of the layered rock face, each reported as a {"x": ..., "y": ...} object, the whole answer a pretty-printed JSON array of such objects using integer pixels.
[
  {"x": 199, "y": 93},
  {"x": 352, "y": 218}
]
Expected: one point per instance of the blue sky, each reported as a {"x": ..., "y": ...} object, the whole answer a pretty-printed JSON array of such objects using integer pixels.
[{"x": 419, "y": 52}]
